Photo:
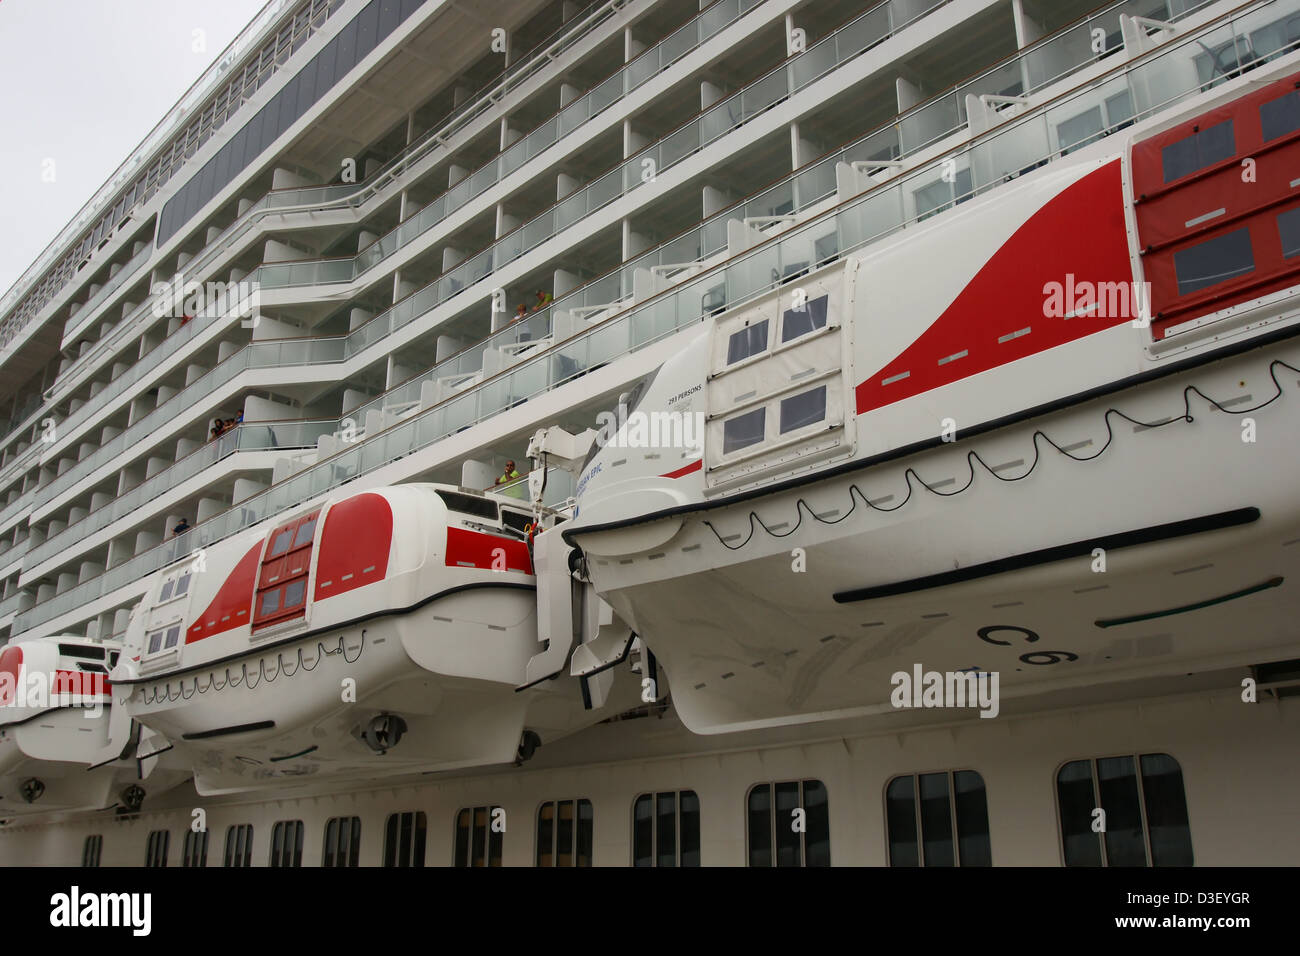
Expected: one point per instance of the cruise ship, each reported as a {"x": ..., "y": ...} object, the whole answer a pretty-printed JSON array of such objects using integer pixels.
[{"x": 670, "y": 433}]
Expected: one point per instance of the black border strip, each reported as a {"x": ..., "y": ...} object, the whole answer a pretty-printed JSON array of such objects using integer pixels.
[
  {"x": 1060, "y": 552},
  {"x": 1196, "y": 606},
  {"x": 227, "y": 731},
  {"x": 1047, "y": 408},
  {"x": 385, "y": 612}
]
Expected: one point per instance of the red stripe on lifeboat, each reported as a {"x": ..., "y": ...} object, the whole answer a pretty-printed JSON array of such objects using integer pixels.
[
  {"x": 81, "y": 682},
  {"x": 1078, "y": 232},
  {"x": 231, "y": 605},
  {"x": 472, "y": 549},
  {"x": 11, "y": 664},
  {"x": 355, "y": 544},
  {"x": 685, "y": 469}
]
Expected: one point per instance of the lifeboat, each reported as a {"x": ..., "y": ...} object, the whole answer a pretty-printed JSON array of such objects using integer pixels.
[
  {"x": 384, "y": 632},
  {"x": 60, "y": 749},
  {"x": 959, "y": 450}
]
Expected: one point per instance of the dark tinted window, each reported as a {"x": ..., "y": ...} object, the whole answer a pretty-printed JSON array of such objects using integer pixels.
[
  {"x": 805, "y": 409},
  {"x": 748, "y": 341},
  {"x": 286, "y": 843},
  {"x": 1203, "y": 148},
  {"x": 743, "y": 430},
  {"x": 342, "y": 842},
  {"x": 1213, "y": 261},
  {"x": 1288, "y": 227},
  {"x": 797, "y": 322},
  {"x": 239, "y": 845},
  {"x": 789, "y": 824},
  {"x": 479, "y": 837},
  {"x": 404, "y": 839},
  {"x": 938, "y": 819},
  {"x": 666, "y": 829},
  {"x": 1280, "y": 116},
  {"x": 195, "y": 851},
  {"x": 1124, "y": 811},
  {"x": 564, "y": 833}
]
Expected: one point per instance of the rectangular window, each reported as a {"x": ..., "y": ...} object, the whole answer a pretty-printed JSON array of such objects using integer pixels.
[
  {"x": 666, "y": 829},
  {"x": 1213, "y": 261},
  {"x": 183, "y": 584},
  {"x": 797, "y": 322},
  {"x": 166, "y": 593},
  {"x": 1140, "y": 801},
  {"x": 155, "y": 642},
  {"x": 195, "y": 850},
  {"x": 286, "y": 843},
  {"x": 91, "y": 850},
  {"x": 1288, "y": 227},
  {"x": 924, "y": 812},
  {"x": 1196, "y": 152},
  {"x": 564, "y": 833},
  {"x": 404, "y": 839},
  {"x": 239, "y": 845},
  {"x": 1280, "y": 116},
  {"x": 342, "y": 842},
  {"x": 478, "y": 836},
  {"x": 743, "y": 430},
  {"x": 155, "y": 852},
  {"x": 775, "y": 812},
  {"x": 750, "y": 340},
  {"x": 802, "y": 410},
  {"x": 173, "y": 636}
]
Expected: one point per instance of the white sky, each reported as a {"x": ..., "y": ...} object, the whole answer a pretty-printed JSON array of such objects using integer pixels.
[{"x": 82, "y": 82}]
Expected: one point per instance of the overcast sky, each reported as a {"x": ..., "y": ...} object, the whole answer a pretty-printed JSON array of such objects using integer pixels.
[{"x": 81, "y": 83}]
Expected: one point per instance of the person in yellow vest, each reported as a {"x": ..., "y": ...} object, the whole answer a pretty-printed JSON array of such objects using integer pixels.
[{"x": 508, "y": 475}]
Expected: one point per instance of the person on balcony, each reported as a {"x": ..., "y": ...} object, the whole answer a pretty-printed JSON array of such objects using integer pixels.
[
  {"x": 181, "y": 527},
  {"x": 508, "y": 475},
  {"x": 543, "y": 300}
]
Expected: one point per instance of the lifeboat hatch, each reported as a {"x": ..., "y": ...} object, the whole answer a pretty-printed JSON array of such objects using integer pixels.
[
  {"x": 777, "y": 382},
  {"x": 281, "y": 595}
]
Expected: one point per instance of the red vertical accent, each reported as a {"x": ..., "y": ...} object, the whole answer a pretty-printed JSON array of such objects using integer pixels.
[
  {"x": 231, "y": 604},
  {"x": 281, "y": 593},
  {"x": 470, "y": 548},
  {"x": 1080, "y": 233},
  {"x": 355, "y": 545},
  {"x": 11, "y": 664}
]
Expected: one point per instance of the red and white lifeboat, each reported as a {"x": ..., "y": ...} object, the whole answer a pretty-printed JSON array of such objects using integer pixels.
[{"x": 381, "y": 632}]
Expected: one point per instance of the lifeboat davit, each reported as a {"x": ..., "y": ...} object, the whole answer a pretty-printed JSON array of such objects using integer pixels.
[
  {"x": 60, "y": 750},
  {"x": 383, "y": 632}
]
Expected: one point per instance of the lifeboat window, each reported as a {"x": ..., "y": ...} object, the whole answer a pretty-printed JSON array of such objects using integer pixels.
[
  {"x": 286, "y": 843},
  {"x": 195, "y": 850},
  {"x": 280, "y": 544},
  {"x": 183, "y": 584},
  {"x": 404, "y": 838},
  {"x": 270, "y": 602},
  {"x": 469, "y": 504},
  {"x": 746, "y": 342},
  {"x": 155, "y": 850},
  {"x": 92, "y": 850},
  {"x": 1288, "y": 227},
  {"x": 166, "y": 593},
  {"x": 666, "y": 829},
  {"x": 564, "y": 832},
  {"x": 802, "y": 410},
  {"x": 1146, "y": 812},
  {"x": 342, "y": 842},
  {"x": 924, "y": 811},
  {"x": 294, "y": 592},
  {"x": 773, "y": 841},
  {"x": 797, "y": 322},
  {"x": 743, "y": 430},
  {"x": 479, "y": 836},
  {"x": 305, "y": 532},
  {"x": 1213, "y": 261},
  {"x": 112, "y": 659},
  {"x": 173, "y": 635},
  {"x": 1193, "y": 153},
  {"x": 155, "y": 642},
  {"x": 1280, "y": 116},
  {"x": 239, "y": 845}
]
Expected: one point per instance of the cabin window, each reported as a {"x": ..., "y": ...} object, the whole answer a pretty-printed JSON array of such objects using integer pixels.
[
  {"x": 173, "y": 636},
  {"x": 183, "y": 584},
  {"x": 1288, "y": 227},
  {"x": 1204, "y": 148},
  {"x": 1140, "y": 800},
  {"x": 797, "y": 322},
  {"x": 666, "y": 829},
  {"x": 166, "y": 593},
  {"x": 404, "y": 839},
  {"x": 1280, "y": 116},
  {"x": 804, "y": 409},
  {"x": 155, "y": 642},
  {"x": 239, "y": 845},
  {"x": 1213, "y": 261},
  {"x": 286, "y": 843},
  {"x": 564, "y": 832},
  {"x": 774, "y": 814},
  {"x": 743, "y": 430},
  {"x": 92, "y": 850},
  {"x": 746, "y": 342},
  {"x": 342, "y": 842},
  {"x": 938, "y": 819},
  {"x": 478, "y": 836},
  {"x": 195, "y": 850},
  {"x": 155, "y": 850}
]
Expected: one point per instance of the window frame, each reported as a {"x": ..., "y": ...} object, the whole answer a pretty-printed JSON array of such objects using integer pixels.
[
  {"x": 284, "y": 829},
  {"x": 489, "y": 836},
  {"x": 576, "y": 841},
  {"x": 653, "y": 796},
  {"x": 333, "y": 850},
  {"x": 92, "y": 851},
  {"x": 772, "y": 813},
  {"x": 239, "y": 853},
  {"x": 156, "y": 846},
  {"x": 419, "y": 839},
  {"x": 951, "y": 774},
  {"x": 194, "y": 852}
]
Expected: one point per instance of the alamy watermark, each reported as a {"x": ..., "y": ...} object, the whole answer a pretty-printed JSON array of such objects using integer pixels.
[
  {"x": 968, "y": 688},
  {"x": 39, "y": 690},
  {"x": 187, "y": 299}
]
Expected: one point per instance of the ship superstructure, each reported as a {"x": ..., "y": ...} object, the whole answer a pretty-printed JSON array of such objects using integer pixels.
[{"x": 384, "y": 243}]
